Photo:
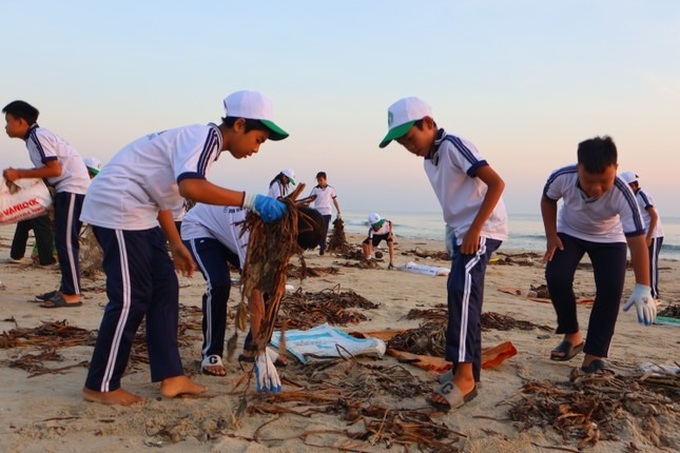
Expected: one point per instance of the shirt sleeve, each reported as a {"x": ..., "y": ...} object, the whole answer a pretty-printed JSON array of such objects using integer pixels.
[
  {"x": 464, "y": 155},
  {"x": 195, "y": 153}
]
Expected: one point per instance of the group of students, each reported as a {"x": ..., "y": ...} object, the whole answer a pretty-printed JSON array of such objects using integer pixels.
[{"x": 130, "y": 205}]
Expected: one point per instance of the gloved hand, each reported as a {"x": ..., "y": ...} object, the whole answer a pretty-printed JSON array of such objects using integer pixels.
[
  {"x": 268, "y": 380},
  {"x": 266, "y": 207},
  {"x": 644, "y": 304}
]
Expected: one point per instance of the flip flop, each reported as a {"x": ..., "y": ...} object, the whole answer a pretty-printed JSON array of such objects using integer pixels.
[
  {"x": 58, "y": 301},
  {"x": 213, "y": 361},
  {"x": 597, "y": 366},
  {"x": 453, "y": 396},
  {"x": 566, "y": 351},
  {"x": 45, "y": 296}
]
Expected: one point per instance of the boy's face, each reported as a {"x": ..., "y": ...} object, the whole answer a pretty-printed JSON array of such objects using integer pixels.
[
  {"x": 596, "y": 184},
  {"x": 15, "y": 127},
  {"x": 321, "y": 181},
  {"x": 244, "y": 144},
  {"x": 419, "y": 140}
]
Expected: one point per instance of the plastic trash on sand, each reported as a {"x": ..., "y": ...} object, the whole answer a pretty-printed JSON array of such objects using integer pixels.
[
  {"x": 326, "y": 342},
  {"x": 424, "y": 269}
]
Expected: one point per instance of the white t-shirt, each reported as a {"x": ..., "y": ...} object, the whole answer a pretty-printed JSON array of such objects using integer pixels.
[
  {"x": 609, "y": 218},
  {"x": 384, "y": 229},
  {"x": 277, "y": 190},
  {"x": 44, "y": 145},
  {"x": 143, "y": 177},
  {"x": 324, "y": 199},
  {"x": 220, "y": 223},
  {"x": 646, "y": 201},
  {"x": 451, "y": 172}
]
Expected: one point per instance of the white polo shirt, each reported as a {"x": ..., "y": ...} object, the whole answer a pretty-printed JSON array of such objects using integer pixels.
[
  {"x": 452, "y": 172},
  {"x": 44, "y": 145},
  {"x": 609, "y": 218},
  {"x": 324, "y": 199},
  {"x": 143, "y": 177},
  {"x": 220, "y": 223},
  {"x": 646, "y": 201}
]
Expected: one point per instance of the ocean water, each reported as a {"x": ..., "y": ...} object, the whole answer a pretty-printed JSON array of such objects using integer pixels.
[{"x": 525, "y": 230}]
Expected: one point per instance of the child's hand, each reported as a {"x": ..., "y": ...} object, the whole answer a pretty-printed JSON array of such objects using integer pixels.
[
  {"x": 470, "y": 243},
  {"x": 267, "y": 208},
  {"x": 644, "y": 304},
  {"x": 552, "y": 243},
  {"x": 11, "y": 174},
  {"x": 182, "y": 259}
]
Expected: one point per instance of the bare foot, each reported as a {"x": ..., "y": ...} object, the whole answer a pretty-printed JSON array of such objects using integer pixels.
[
  {"x": 180, "y": 385},
  {"x": 119, "y": 396}
]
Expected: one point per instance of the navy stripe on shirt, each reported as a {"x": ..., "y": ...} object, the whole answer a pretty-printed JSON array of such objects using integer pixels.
[
  {"x": 208, "y": 147},
  {"x": 632, "y": 202},
  {"x": 562, "y": 171},
  {"x": 33, "y": 136},
  {"x": 645, "y": 199}
]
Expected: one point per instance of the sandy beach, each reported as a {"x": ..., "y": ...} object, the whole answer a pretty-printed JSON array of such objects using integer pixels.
[{"x": 42, "y": 409}]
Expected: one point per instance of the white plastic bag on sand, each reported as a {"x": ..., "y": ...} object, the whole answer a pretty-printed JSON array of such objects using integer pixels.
[
  {"x": 326, "y": 342},
  {"x": 27, "y": 198},
  {"x": 424, "y": 269}
]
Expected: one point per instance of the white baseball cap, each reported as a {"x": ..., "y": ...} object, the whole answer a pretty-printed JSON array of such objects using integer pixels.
[
  {"x": 401, "y": 115},
  {"x": 290, "y": 174},
  {"x": 93, "y": 164},
  {"x": 629, "y": 176},
  {"x": 255, "y": 106},
  {"x": 374, "y": 218}
]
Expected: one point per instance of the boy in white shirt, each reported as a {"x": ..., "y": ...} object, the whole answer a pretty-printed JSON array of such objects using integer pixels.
[
  {"x": 323, "y": 196},
  {"x": 134, "y": 193},
  {"x": 469, "y": 192},
  {"x": 598, "y": 216},
  {"x": 654, "y": 236},
  {"x": 379, "y": 230},
  {"x": 61, "y": 165}
]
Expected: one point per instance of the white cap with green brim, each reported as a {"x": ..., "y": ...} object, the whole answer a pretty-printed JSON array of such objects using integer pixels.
[
  {"x": 401, "y": 115},
  {"x": 255, "y": 106}
]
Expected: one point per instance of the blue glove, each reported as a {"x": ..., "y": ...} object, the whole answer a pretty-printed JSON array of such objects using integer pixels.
[
  {"x": 644, "y": 304},
  {"x": 268, "y": 208},
  {"x": 268, "y": 380}
]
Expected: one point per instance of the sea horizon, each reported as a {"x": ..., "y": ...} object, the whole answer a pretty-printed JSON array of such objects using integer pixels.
[{"x": 525, "y": 230}]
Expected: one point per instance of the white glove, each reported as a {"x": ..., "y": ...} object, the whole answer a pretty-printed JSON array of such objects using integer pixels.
[
  {"x": 268, "y": 380},
  {"x": 644, "y": 304}
]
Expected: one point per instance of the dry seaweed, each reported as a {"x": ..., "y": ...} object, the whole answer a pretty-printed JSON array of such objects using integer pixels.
[
  {"x": 489, "y": 320},
  {"x": 437, "y": 255},
  {"x": 594, "y": 407},
  {"x": 671, "y": 311},
  {"x": 338, "y": 242},
  {"x": 304, "y": 271},
  {"x": 304, "y": 310},
  {"x": 91, "y": 254}
]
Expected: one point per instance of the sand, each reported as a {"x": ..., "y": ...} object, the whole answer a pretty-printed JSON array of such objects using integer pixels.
[{"x": 47, "y": 413}]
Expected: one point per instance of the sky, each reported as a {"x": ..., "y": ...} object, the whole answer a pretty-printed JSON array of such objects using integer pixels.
[{"x": 525, "y": 81}]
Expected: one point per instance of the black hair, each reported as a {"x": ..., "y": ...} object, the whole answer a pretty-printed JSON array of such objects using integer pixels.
[
  {"x": 251, "y": 124},
  {"x": 279, "y": 178},
  {"x": 22, "y": 110},
  {"x": 596, "y": 154},
  {"x": 321, "y": 174},
  {"x": 309, "y": 228}
]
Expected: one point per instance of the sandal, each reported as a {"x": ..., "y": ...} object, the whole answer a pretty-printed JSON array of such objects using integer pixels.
[
  {"x": 46, "y": 296},
  {"x": 566, "y": 351},
  {"x": 453, "y": 396},
  {"x": 58, "y": 301},
  {"x": 213, "y": 361},
  {"x": 597, "y": 366}
]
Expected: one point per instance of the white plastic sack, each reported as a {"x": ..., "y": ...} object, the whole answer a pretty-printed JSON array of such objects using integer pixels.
[
  {"x": 324, "y": 341},
  {"x": 27, "y": 198}
]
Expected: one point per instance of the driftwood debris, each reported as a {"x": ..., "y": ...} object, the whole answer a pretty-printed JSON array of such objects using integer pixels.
[{"x": 338, "y": 241}]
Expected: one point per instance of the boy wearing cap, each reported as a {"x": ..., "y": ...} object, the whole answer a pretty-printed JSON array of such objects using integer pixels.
[
  {"x": 654, "y": 236},
  {"x": 469, "y": 191},
  {"x": 134, "y": 193},
  {"x": 63, "y": 168},
  {"x": 323, "y": 196},
  {"x": 282, "y": 184},
  {"x": 598, "y": 216},
  {"x": 379, "y": 230},
  {"x": 93, "y": 166}
]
